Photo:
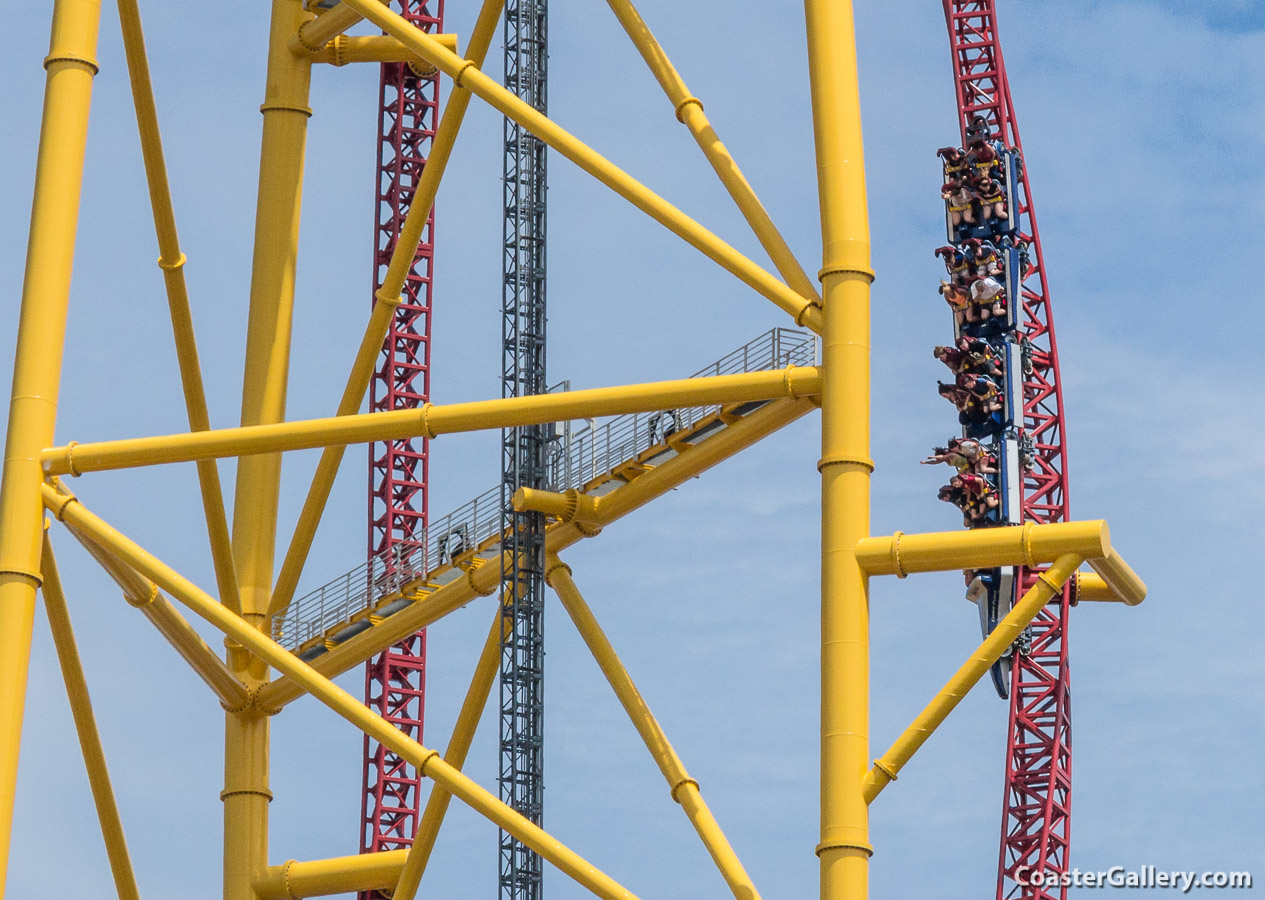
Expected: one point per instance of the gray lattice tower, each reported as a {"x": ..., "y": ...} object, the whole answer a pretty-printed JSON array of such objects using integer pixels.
[{"x": 523, "y": 449}]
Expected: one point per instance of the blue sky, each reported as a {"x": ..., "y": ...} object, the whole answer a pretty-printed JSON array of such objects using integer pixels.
[{"x": 1141, "y": 122}]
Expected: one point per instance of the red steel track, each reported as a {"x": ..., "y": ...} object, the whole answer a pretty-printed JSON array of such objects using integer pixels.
[
  {"x": 1037, "y": 806},
  {"x": 395, "y": 682}
]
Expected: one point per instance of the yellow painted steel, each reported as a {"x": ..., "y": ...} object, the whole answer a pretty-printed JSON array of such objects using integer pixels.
[
  {"x": 388, "y": 298},
  {"x": 570, "y": 506},
  {"x": 1090, "y": 588},
  {"x": 505, "y": 102},
  {"x": 325, "y": 877},
  {"x": 428, "y": 762},
  {"x": 1023, "y": 545},
  {"x": 689, "y": 112},
  {"x": 313, "y": 34},
  {"x": 431, "y": 420},
  {"x": 483, "y": 580},
  {"x": 172, "y": 261},
  {"x": 70, "y": 67},
  {"x": 86, "y": 726},
  {"x": 1124, "y": 583},
  {"x": 683, "y": 788},
  {"x": 844, "y": 849},
  {"x": 1049, "y": 583},
  {"x": 143, "y": 594},
  {"x": 246, "y": 794},
  {"x": 485, "y": 672},
  {"x": 378, "y": 48}
]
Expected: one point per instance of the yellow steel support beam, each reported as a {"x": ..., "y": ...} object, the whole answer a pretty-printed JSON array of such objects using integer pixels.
[
  {"x": 689, "y": 112},
  {"x": 143, "y": 594},
  {"x": 246, "y": 794},
  {"x": 570, "y": 506},
  {"x": 171, "y": 261},
  {"x": 70, "y": 67},
  {"x": 378, "y": 48},
  {"x": 431, "y": 420},
  {"x": 1116, "y": 574},
  {"x": 1023, "y": 545},
  {"x": 485, "y": 672},
  {"x": 325, "y": 877},
  {"x": 386, "y": 301},
  {"x": 86, "y": 727},
  {"x": 1090, "y": 588},
  {"x": 428, "y": 762},
  {"x": 1028, "y": 545},
  {"x": 683, "y": 788},
  {"x": 468, "y": 76},
  {"x": 844, "y": 849},
  {"x": 483, "y": 580},
  {"x": 313, "y": 34},
  {"x": 1049, "y": 583}
]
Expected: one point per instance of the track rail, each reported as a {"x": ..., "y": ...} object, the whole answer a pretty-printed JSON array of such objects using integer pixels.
[{"x": 1037, "y": 804}]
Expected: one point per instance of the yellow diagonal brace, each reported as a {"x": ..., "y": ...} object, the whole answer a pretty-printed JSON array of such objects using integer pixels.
[
  {"x": 1049, "y": 583},
  {"x": 428, "y": 762},
  {"x": 689, "y": 112},
  {"x": 430, "y": 420},
  {"x": 468, "y": 76},
  {"x": 143, "y": 594},
  {"x": 387, "y": 300},
  {"x": 171, "y": 260},
  {"x": 683, "y": 788},
  {"x": 86, "y": 726},
  {"x": 377, "y": 48},
  {"x": 315, "y": 33},
  {"x": 480, "y": 689}
]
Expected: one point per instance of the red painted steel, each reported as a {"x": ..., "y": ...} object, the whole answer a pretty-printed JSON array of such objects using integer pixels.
[
  {"x": 395, "y": 682},
  {"x": 1037, "y": 805}
]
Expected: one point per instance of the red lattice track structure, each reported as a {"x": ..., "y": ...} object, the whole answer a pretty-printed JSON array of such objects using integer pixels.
[
  {"x": 395, "y": 682},
  {"x": 1037, "y": 805}
]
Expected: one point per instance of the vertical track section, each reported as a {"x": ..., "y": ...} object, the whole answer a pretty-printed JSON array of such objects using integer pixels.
[
  {"x": 395, "y": 681},
  {"x": 1037, "y": 804},
  {"x": 524, "y": 450}
]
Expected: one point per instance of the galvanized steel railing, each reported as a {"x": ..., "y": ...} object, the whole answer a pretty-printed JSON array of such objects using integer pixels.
[{"x": 579, "y": 457}]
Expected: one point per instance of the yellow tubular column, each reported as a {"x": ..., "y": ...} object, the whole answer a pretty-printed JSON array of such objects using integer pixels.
[
  {"x": 1049, "y": 583},
  {"x": 172, "y": 261},
  {"x": 505, "y": 102},
  {"x": 485, "y": 672},
  {"x": 285, "y": 113},
  {"x": 86, "y": 726},
  {"x": 387, "y": 299},
  {"x": 344, "y": 704},
  {"x": 683, "y": 788},
  {"x": 689, "y": 112},
  {"x": 50, "y": 252},
  {"x": 846, "y": 275}
]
